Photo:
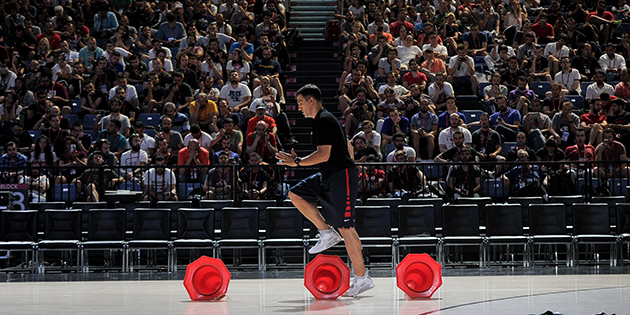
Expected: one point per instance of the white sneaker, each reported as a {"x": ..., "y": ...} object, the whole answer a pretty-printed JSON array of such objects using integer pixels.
[
  {"x": 327, "y": 239},
  {"x": 359, "y": 285}
]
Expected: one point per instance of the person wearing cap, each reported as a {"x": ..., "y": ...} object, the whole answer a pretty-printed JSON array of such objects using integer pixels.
[
  {"x": 90, "y": 183},
  {"x": 260, "y": 116},
  {"x": 160, "y": 182}
]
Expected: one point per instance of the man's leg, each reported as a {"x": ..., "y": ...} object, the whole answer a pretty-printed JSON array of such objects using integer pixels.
[
  {"x": 309, "y": 210},
  {"x": 353, "y": 246}
]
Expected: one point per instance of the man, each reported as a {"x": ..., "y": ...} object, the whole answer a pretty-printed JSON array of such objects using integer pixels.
[
  {"x": 464, "y": 180},
  {"x": 372, "y": 179},
  {"x": 553, "y": 101},
  {"x": 134, "y": 157},
  {"x": 90, "y": 183},
  {"x": 89, "y": 54},
  {"x": 22, "y": 139},
  {"x": 619, "y": 120},
  {"x": 193, "y": 155},
  {"x": 537, "y": 125},
  {"x": 454, "y": 153},
  {"x": 131, "y": 95},
  {"x": 595, "y": 89},
  {"x": 360, "y": 149},
  {"x": 569, "y": 77},
  {"x": 255, "y": 179},
  {"x": 38, "y": 183},
  {"x": 507, "y": 120},
  {"x": 172, "y": 137},
  {"x": 225, "y": 146},
  {"x": 555, "y": 51},
  {"x": 263, "y": 142},
  {"x": 246, "y": 48},
  {"x": 603, "y": 20},
  {"x": 524, "y": 179},
  {"x": 432, "y": 65},
  {"x": 337, "y": 175},
  {"x": 475, "y": 42},
  {"x": 487, "y": 143},
  {"x": 414, "y": 76},
  {"x": 56, "y": 135},
  {"x": 586, "y": 64},
  {"x": 392, "y": 82},
  {"x": 565, "y": 123},
  {"x": 103, "y": 122},
  {"x": 538, "y": 65},
  {"x": 580, "y": 152},
  {"x": 234, "y": 135},
  {"x": 440, "y": 91},
  {"x": 270, "y": 68},
  {"x": 53, "y": 38},
  {"x": 394, "y": 27},
  {"x": 400, "y": 145},
  {"x": 147, "y": 143},
  {"x": 446, "y": 138},
  {"x": 180, "y": 92},
  {"x": 404, "y": 179},
  {"x": 12, "y": 163},
  {"x": 171, "y": 32},
  {"x": 509, "y": 78},
  {"x": 261, "y": 116},
  {"x": 159, "y": 182},
  {"x": 526, "y": 50},
  {"x": 424, "y": 129},
  {"x": 521, "y": 144},
  {"x": 461, "y": 70},
  {"x": 614, "y": 153},
  {"x": 237, "y": 95},
  {"x": 350, "y": 89},
  {"x": 105, "y": 22},
  {"x": 393, "y": 124},
  {"x": 361, "y": 108},
  {"x": 594, "y": 122},
  {"x": 202, "y": 112},
  {"x": 612, "y": 63},
  {"x": 408, "y": 52},
  {"x": 520, "y": 97},
  {"x": 179, "y": 121},
  {"x": 118, "y": 141},
  {"x": 543, "y": 30},
  {"x": 205, "y": 139},
  {"x": 388, "y": 64},
  {"x": 492, "y": 91},
  {"x": 219, "y": 183},
  {"x": 56, "y": 92}
]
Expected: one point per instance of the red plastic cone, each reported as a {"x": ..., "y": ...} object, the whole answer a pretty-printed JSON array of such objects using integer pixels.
[
  {"x": 419, "y": 276},
  {"x": 207, "y": 279},
  {"x": 327, "y": 277}
]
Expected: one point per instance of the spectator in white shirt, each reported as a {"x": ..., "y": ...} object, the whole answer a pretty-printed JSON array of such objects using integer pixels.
[
  {"x": 568, "y": 77},
  {"x": 612, "y": 63},
  {"x": 555, "y": 51},
  {"x": 595, "y": 89},
  {"x": 445, "y": 138},
  {"x": 133, "y": 160},
  {"x": 407, "y": 51}
]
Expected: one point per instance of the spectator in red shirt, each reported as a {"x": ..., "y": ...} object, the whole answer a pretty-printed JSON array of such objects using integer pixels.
[
  {"x": 260, "y": 115},
  {"x": 414, "y": 76},
  {"x": 263, "y": 142},
  {"x": 603, "y": 20},
  {"x": 193, "y": 155},
  {"x": 394, "y": 28},
  {"x": 53, "y": 38},
  {"x": 581, "y": 152},
  {"x": 594, "y": 122},
  {"x": 544, "y": 31}
]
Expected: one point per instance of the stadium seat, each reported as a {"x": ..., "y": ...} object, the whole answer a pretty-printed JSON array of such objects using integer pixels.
[
  {"x": 507, "y": 146},
  {"x": 75, "y": 104},
  {"x": 584, "y": 86},
  {"x": 89, "y": 121},
  {"x": 540, "y": 88},
  {"x": 65, "y": 192},
  {"x": 150, "y": 119},
  {"x": 467, "y": 102},
  {"x": 472, "y": 115},
  {"x": 72, "y": 118},
  {"x": 34, "y": 134},
  {"x": 482, "y": 85},
  {"x": 577, "y": 100}
]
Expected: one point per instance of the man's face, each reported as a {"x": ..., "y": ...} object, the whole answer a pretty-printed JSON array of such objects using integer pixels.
[
  {"x": 587, "y": 50},
  {"x": 450, "y": 104},
  {"x": 163, "y": 145},
  {"x": 399, "y": 143},
  {"x": 115, "y": 107},
  {"x": 159, "y": 167},
  {"x": 359, "y": 144},
  {"x": 439, "y": 80},
  {"x": 356, "y": 76},
  {"x": 454, "y": 120},
  {"x": 102, "y": 63},
  {"x": 609, "y": 137},
  {"x": 391, "y": 55},
  {"x": 390, "y": 97},
  {"x": 597, "y": 106},
  {"x": 610, "y": 50},
  {"x": 234, "y": 78},
  {"x": 458, "y": 139},
  {"x": 513, "y": 64},
  {"x": 64, "y": 46},
  {"x": 112, "y": 128},
  {"x": 580, "y": 137},
  {"x": 97, "y": 159},
  {"x": 502, "y": 104},
  {"x": 393, "y": 115},
  {"x": 91, "y": 44},
  {"x": 225, "y": 144},
  {"x": 535, "y": 107},
  {"x": 260, "y": 129},
  {"x": 17, "y": 129},
  {"x": 367, "y": 128},
  {"x": 54, "y": 122},
  {"x": 415, "y": 91},
  {"x": 484, "y": 122},
  {"x": 566, "y": 64},
  {"x": 48, "y": 28},
  {"x": 599, "y": 78},
  {"x": 465, "y": 156},
  {"x": 567, "y": 107},
  {"x": 266, "y": 54},
  {"x": 522, "y": 84}
]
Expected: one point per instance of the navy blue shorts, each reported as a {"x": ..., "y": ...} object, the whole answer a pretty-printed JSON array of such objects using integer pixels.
[{"x": 337, "y": 195}]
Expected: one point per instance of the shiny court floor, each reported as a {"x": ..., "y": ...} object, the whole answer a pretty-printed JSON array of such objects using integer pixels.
[{"x": 470, "y": 292}]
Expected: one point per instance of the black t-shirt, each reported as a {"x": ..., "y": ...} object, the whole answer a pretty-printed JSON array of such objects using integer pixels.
[
  {"x": 57, "y": 140},
  {"x": 553, "y": 105},
  {"x": 22, "y": 140},
  {"x": 97, "y": 94},
  {"x": 454, "y": 155},
  {"x": 622, "y": 119},
  {"x": 366, "y": 152},
  {"x": 486, "y": 142},
  {"x": 328, "y": 131},
  {"x": 586, "y": 66},
  {"x": 541, "y": 64},
  {"x": 462, "y": 179},
  {"x": 254, "y": 180},
  {"x": 404, "y": 179},
  {"x": 179, "y": 98},
  {"x": 543, "y": 155},
  {"x": 511, "y": 78}
]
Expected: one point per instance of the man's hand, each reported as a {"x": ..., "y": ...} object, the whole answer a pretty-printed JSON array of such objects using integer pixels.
[{"x": 286, "y": 158}]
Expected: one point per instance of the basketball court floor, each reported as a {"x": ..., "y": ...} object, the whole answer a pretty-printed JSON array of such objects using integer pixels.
[{"x": 575, "y": 290}]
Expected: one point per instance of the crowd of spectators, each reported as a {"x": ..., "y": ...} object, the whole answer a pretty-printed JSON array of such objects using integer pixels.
[
  {"x": 144, "y": 94},
  {"x": 410, "y": 69}
]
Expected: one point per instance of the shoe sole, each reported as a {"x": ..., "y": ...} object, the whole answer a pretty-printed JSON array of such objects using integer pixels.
[
  {"x": 327, "y": 247},
  {"x": 363, "y": 290}
]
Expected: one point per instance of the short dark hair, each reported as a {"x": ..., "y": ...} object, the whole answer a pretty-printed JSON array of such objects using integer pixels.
[{"x": 310, "y": 90}]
